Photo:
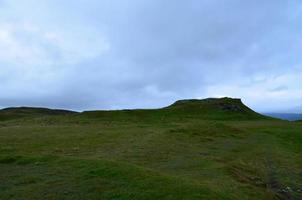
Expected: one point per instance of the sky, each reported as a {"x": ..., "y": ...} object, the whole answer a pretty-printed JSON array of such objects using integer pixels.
[{"x": 115, "y": 54}]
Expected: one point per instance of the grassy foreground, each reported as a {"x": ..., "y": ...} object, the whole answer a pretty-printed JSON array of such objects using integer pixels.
[{"x": 210, "y": 149}]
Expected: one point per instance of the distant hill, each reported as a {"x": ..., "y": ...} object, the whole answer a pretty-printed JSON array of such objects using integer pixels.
[
  {"x": 21, "y": 112},
  {"x": 285, "y": 116},
  {"x": 295, "y": 110}
]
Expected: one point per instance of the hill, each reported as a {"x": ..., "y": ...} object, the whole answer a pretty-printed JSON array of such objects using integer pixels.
[
  {"x": 193, "y": 149},
  {"x": 214, "y": 108},
  {"x": 29, "y": 112},
  {"x": 285, "y": 116},
  {"x": 210, "y": 109}
]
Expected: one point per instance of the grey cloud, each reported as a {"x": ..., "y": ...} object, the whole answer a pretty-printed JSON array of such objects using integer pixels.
[
  {"x": 280, "y": 88},
  {"x": 159, "y": 51}
]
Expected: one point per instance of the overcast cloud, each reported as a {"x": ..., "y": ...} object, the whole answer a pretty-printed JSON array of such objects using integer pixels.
[{"x": 113, "y": 54}]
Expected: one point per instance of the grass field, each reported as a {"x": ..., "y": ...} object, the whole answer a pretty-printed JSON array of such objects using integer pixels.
[{"x": 210, "y": 149}]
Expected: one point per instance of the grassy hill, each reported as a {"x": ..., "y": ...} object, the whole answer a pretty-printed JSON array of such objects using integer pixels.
[
  {"x": 193, "y": 149},
  {"x": 207, "y": 109},
  {"x": 29, "y": 112},
  {"x": 212, "y": 108}
]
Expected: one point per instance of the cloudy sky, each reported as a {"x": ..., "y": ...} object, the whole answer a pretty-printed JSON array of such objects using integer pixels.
[{"x": 112, "y": 54}]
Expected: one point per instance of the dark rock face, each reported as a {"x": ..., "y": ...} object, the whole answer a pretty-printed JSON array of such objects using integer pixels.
[
  {"x": 230, "y": 107},
  {"x": 210, "y": 101}
]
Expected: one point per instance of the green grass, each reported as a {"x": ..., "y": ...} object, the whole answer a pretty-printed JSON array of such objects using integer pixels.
[{"x": 221, "y": 152}]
